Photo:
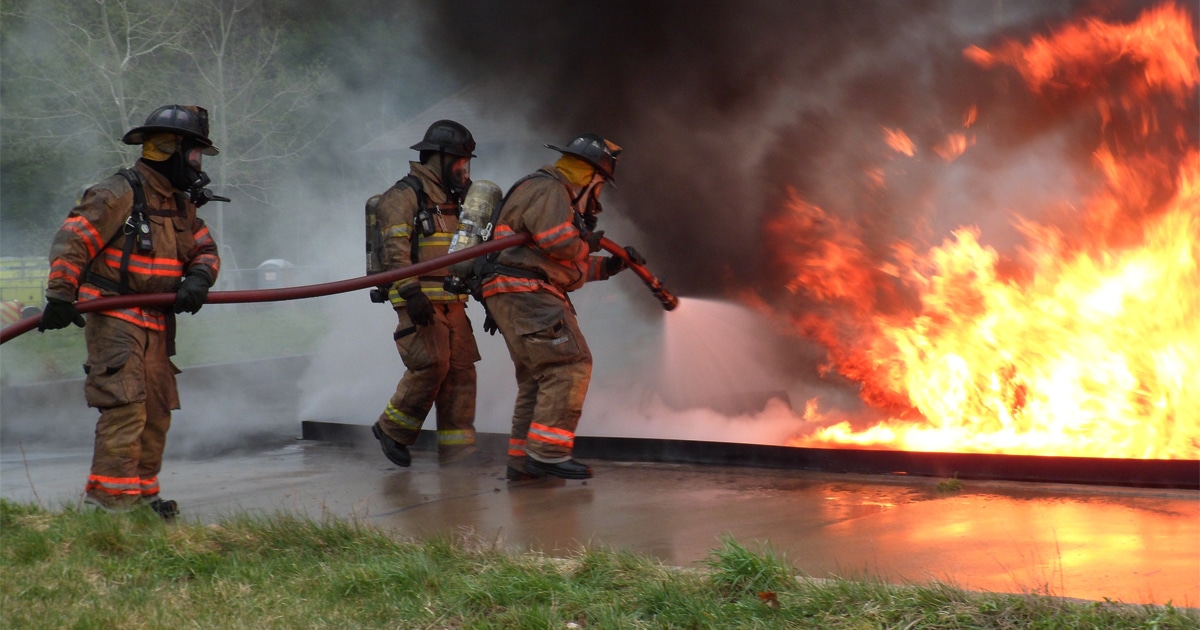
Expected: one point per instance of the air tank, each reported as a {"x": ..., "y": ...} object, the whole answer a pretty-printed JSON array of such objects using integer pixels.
[{"x": 473, "y": 220}]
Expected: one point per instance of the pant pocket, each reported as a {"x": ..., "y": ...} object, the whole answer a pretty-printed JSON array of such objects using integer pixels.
[
  {"x": 552, "y": 345},
  {"x": 110, "y": 381}
]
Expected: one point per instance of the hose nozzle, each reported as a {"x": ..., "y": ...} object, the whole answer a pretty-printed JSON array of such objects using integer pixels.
[{"x": 668, "y": 299}]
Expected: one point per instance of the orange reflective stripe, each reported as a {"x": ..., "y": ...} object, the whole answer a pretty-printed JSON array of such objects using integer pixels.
[
  {"x": 87, "y": 232},
  {"x": 516, "y": 447},
  {"x": 150, "y": 320},
  {"x": 114, "y": 485},
  {"x": 509, "y": 284},
  {"x": 150, "y": 486},
  {"x": 555, "y": 235},
  {"x": 551, "y": 435},
  {"x": 145, "y": 265}
]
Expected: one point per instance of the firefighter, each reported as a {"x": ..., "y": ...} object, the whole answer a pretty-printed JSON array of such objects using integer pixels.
[
  {"x": 525, "y": 291},
  {"x": 136, "y": 232},
  {"x": 417, "y": 217}
]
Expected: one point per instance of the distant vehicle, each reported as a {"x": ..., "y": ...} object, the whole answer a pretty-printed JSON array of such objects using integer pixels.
[{"x": 23, "y": 285}]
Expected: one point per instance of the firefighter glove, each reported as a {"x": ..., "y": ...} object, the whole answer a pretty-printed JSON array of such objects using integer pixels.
[
  {"x": 615, "y": 264},
  {"x": 192, "y": 294},
  {"x": 59, "y": 314},
  {"x": 489, "y": 325},
  {"x": 420, "y": 309},
  {"x": 593, "y": 240}
]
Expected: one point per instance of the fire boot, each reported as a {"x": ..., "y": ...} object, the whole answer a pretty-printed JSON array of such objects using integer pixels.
[
  {"x": 514, "y": 474},
  {"x": 395, "y": 451},
  {"x": 168, "y": 510},
  {"x": 569, "y": 469}
]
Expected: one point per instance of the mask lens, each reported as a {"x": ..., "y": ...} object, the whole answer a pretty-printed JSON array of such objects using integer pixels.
[{"x": 193, "y": 156}]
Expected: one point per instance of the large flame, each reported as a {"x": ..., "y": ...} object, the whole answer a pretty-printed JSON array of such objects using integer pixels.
[{"x": 1087, "y": 342}]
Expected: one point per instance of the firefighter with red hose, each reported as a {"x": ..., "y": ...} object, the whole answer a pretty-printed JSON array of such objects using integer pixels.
[
  {"x": 136, "y": 232},
  {"x": 525, "y": 290},
  {"x": 416, "y": 218}
]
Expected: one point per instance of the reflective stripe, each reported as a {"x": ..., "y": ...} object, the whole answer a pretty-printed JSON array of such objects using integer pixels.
[
  {"x": 555, "y": 235},
  {"x": 62, "y": 269},
  {"x": 404, "y": 420},
  {"x": 397, "y": 231},
  {"x": 516, "y": 448},
  {"x": 456, "y": 437},
  {"x": 510, "y": 284},
  {"x": 81, "y": 227},
  {"x": 150, "y": 486},
  {"x": 550, "y": 435},
  {"x": 142, "y": 318},
  {"x": 114, "y": 485},
  {"x": 145, "y": 265}
]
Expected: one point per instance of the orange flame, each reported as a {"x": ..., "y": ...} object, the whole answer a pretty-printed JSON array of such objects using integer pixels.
[
  {"x": 1090, "y": 347},
  {"x": 899, "y": 141}
]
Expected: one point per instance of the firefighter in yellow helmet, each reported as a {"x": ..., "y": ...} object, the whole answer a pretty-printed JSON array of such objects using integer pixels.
[
  {"x": 136, "y": 232},
  {"x": 418, "y": 216},
  {"x": 525, "y": 291}
]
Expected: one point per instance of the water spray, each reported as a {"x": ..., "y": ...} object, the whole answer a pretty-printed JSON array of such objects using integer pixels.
[{"x": 668, "y": 299}]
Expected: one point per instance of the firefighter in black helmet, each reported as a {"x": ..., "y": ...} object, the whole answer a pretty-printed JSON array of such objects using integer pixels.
[
  {"x": 136, "y": 232},
  {"x": 417, "y": 217},
  {"x": 526, "y": 296}
]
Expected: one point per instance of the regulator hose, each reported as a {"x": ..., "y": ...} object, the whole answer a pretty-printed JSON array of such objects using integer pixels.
[{"x": 280, "y": 295}]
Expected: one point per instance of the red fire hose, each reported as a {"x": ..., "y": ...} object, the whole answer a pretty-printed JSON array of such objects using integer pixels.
[{"x": 330, "y": 288}]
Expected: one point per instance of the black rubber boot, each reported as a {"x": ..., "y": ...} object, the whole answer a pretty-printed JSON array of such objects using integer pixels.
[
  {"x": 569, "y": 469},
  {"x": 168, "y": 510},
  {"x": 514, "y": 474},
  {"x": 396, "y": 452}
]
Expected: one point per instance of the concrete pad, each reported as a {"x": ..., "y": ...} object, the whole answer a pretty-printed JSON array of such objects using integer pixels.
[{"x": 1090, "y": 542}]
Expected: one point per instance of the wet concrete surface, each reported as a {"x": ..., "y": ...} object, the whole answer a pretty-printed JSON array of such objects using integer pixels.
[{"x": 1090, "y": 542}]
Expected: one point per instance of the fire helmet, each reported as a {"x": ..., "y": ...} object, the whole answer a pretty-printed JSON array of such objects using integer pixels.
[
  {"x": 596, "y": 151},
  {"x": 447, "y": 136},
  {"x": 187, "y": 120}
]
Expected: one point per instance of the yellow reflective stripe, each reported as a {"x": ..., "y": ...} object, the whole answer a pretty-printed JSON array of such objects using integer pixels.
[
  {"x": 404, "y": 420},
  {"x": 456, "y": 437},
  {"x": 398, "y": 230}
]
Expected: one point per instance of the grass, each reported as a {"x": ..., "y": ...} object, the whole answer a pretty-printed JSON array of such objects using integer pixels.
[
  {"x": 217, "y": 334},
  {"x": 74, "y": 569}
]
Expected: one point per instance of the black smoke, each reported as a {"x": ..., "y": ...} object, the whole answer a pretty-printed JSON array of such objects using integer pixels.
[{"x": 724, "y": 106}]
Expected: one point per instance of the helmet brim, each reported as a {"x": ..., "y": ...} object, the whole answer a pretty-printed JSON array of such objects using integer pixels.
[
  {"x": 428, "y": 146},
  {"x": 599, "y": 169},
  {"x": 138, "y": 135}
]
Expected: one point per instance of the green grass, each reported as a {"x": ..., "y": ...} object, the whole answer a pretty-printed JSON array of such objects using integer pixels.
[
  {"x": 71, "y": 569},
  {"x": 219, "y": 333}
]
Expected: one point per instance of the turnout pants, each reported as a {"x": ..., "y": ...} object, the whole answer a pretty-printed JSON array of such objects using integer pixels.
[
  {"x": 131, "y": 380},
  {"x": 553, "y": 368},
  {"x": 440, "y": 369}
]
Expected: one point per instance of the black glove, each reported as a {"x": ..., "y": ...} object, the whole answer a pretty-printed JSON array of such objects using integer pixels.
[
  {"x": 489, "y": 325},
  {"x": 593, "y": 240},
  {"x": 590, "y": 221},
  {"x": 59, "y": 314},
  {"x": 192, "y": 294},
  {"x": 420, "y": 309},
  {"x": 615, "y": 264}
]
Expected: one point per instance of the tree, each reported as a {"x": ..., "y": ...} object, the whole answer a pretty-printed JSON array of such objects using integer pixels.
[{"x": 77, "y": 74}]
